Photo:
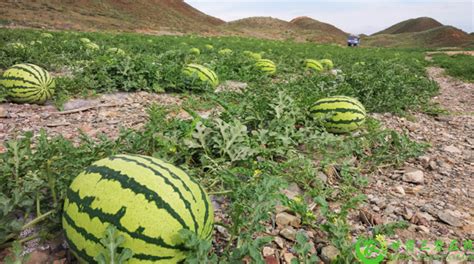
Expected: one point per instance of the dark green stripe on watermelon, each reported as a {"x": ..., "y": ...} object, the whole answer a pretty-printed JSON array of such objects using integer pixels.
[
  {"x": 80, "y": 253},
  {"x": 80, "y": 230},
  {"x": 341, "y": 122},
  {"x": 39, "y": 70},
  {"x": 169, "y": 183},
  {"x": 84, "y": 206},
  {"x": 338, "y": 110}
]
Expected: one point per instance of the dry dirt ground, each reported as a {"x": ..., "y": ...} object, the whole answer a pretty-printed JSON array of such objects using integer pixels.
[{"x": 434, "y": 193}]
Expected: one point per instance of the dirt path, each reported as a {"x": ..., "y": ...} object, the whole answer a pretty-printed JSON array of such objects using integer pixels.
[{"x": 434, "y": 192}]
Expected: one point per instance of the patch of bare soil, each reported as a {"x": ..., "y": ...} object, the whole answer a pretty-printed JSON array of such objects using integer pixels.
[
  {"x": 434, "y": 192},
  {"x": 103, "y": 115}
]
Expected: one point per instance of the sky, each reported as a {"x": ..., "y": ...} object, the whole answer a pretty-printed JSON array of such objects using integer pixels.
[{"x": 352, "y": 16}]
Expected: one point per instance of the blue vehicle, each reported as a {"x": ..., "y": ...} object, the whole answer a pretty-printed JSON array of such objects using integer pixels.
[{"x": 353, "y": 41}]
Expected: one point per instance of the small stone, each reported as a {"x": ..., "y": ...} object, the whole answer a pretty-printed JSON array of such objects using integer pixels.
[
  {"x": 288, "y": 233},
  {"x": 456, "y": 257},
  {"x": 288, "y": 257},
  {"x": 268, "y": 251},
  {"x": 279, "y": 241},
  {"x": 323, "y": 177},
  {"x": 424, "y": 160},
  {"x": 329, "y": 254},
  {"x": 413, "y": 190},
  {"x": 423, "y": 229},
  {"x": 79, "y": 103},
  {"x": 452, "y": 149},
  {"x": 231, "y": 86},
  {"x": 3, "y": 112},
  {"x": 284, "y": 219},
  {"x": 399, "y": 189},
  {"x": 448, "y": 218},
  {"x": 413, "y": 175},
  {"x": 223, "y": 231},
  {"x": 292, "y": 191}
]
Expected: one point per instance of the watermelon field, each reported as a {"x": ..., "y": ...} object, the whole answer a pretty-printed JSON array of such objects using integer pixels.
[{"x": 272, "y": 148}]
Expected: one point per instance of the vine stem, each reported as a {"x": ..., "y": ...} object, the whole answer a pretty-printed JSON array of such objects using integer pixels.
[
  {"x": 221, "y": 192},
  {"x": 37, "y": 220}
]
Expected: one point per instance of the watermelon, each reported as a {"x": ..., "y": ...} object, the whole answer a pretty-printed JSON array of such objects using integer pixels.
[
  {"x": 194, "y": 51},
  {"x": 327, "y": 64},
  {"x": 201, "y": 74},
  {"x": 46, "y": 35},
  {"x": 85, "y": 40},
  {"x": 28, "y": 83},
  {"x": 225, "y": 51},
  {"x": 313, "y": 65},
  {"x": 340, "y": 114},
  {"x": 117, "y": 51},
  {"x": 148, "y": 201},
  {"x": 253, "y": 55},
  {"x": 16, "y": 45},
  {"x": 266, "y": 66},
  {"x": 92, "y": 46},
  {"x": 209, "y": 47}
]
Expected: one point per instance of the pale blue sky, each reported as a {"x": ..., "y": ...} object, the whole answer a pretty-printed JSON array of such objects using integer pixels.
[{"x": 356, "y": 16}]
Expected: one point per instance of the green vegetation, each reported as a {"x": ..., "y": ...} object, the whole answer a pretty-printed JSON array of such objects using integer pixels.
[
  {"x": 460, "y": 65},
  {"x": 264, "y": 139}
]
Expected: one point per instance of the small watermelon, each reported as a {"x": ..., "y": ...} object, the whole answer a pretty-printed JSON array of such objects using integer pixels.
[
  {"x": 340, "y": 114},
  {"x": 92, "y": 46},
  {"x": 117, "y": 51},
  {"x": 209, "y": 47},
  {"x": 85, "y": 40},
  {"x": 313, "y": 65},
  {"x": 46, "y": 35},
  {"x": 327, "y": 64},
  {"x": 28, "y": 83},
  {"x": 266, "y": 66},
  {"x": 194, "y": 51},
  {"x": 202, "y": 75},
  {"x": 225, "y": 52},
  {"x": 253, "y": 55},
  {"x": 147, "y": 200},
  {"x": 16, "y": 45}
]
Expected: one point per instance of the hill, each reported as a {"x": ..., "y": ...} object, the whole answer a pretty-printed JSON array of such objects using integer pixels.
[
  {"x": 299, "y": 29},
  {"x": 122, "y": 15},
  {"x": 411, "y": 25},
  {"x": 444, "y": 36}
]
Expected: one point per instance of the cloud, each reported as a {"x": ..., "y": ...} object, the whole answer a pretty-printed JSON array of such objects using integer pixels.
[{"x": 361, "y": 16}]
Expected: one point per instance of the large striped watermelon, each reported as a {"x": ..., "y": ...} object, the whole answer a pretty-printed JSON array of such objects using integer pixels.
[
  {"x": 327, "y": 64},
  {"x": 266, "y": 66},
  {"x": 146, "y": 199},
  {"x": 28, "y": 83},
  {"x": 341, "y": 114},
  {"x": 200, "y": 75}
]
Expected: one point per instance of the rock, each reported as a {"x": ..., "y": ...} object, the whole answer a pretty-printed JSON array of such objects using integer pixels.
[
  {"x": 413, "y": 190},
  {"x": 271, "y": 260},
  {"x": 424, "y": 160},
  {"x": 79, "y": 103},
  {"x": 288, "y": 233},
  {"x": 285, "y": 219},
  {"x": 288, "y": 257},
  {"x": 323, "y": 177},
  {"x": 423, "y": 229},
  {"x": 268, "y": 251},
  {"x": 456, "y": 257},
  {"x": 448, "y": 218},
  {"x": 329, "y": 254},
  {"x": 37, "y": 257},
  {"x": 452, "y": 149},
  {"x": 223, "y": 231},
  {"x": 413, "y": 175},
  {"x": 279, "y": 241},
  {"x": 3, "y": 112},
  {"x": 292, "y": 191},
  {"x": 399, "y": 189}
]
